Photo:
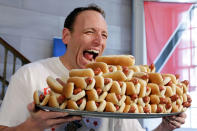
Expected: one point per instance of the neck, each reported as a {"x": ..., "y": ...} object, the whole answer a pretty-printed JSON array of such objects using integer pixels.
[{"x": 65, "y": 61}]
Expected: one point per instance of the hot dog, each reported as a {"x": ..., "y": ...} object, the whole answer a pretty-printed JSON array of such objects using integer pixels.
[
  {"x": 168, "y": 106},
  {"x": 155, "y": 99},
  {"x": 40, "y": 98},
  {"x": 95, "y": 65},
  {"x": 112, "y": 68},
  {"x": 57, "y": 100},
  {"x": 103, "y": 83},
  {"x": 140, "y": 108},
  {"x": 76, "y": 105},
  {"x": 128, "y": 73},
  {"x": 135, "y": 68},
  {"x": 110, "y": 107},
  {"x": 70, "y": 92},
  {"x": 143, "y": 88},
  {"x": 185, "y": 84},
  {"x": 147, "y": 108},
  {"x": 86, "y": 83},
  {"x": 96, "y": 94},
  {"x": 158, "y": 79},
  {"x": 123, "y": 60},
  {"x": 132, "y": 108},
  {"x": 144, "y": 68},
  {"x": 96, "y": 106},
  {"x": 132, "y": 89},
  {"x": 118, "y": 87},
  {"x": 116, "y": 76},
  {"x": 115, "y": 98},
  {"x": 54, "y": 85},
  {"x": 156, "y": 89},
  {"x": 142, "y": 75},
  {"x": 173, "y": 78}
]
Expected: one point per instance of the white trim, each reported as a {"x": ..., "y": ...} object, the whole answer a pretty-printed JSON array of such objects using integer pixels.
[
  {"x": 139, "y": 42},
  {"x": 175, "y": 1}
]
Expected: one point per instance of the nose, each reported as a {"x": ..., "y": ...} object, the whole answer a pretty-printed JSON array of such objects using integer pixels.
[{"x": 98, "y": 40}]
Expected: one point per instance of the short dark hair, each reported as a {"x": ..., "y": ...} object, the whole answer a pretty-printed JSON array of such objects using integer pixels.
[{"x": 70, "y": 19}]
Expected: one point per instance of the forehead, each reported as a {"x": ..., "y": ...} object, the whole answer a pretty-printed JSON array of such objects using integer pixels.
[{"x": 90, "y": 19}]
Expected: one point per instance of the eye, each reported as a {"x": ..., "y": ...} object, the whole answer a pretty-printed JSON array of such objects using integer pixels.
[
  {"x": 89, "y": 32},
  {"x": 104, "y": 36}
]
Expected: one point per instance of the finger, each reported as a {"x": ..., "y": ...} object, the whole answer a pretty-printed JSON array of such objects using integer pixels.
[
  {"x": 179, "y": 118},
  {"x": 175, "y": 124},
  {"x": 183, "y": 115},
  {"x": 59, "y": 121},
  {"x": 168, "y": 124},
  {"x": 51, "y": 115}
]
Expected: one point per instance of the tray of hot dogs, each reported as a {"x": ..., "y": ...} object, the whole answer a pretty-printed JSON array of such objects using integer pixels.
[
  {"x": 108, "y": 114},
  {"x": 113, "y": 86}
]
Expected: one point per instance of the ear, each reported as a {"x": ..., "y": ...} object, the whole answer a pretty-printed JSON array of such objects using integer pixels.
[{"x": 66, "y": 35}]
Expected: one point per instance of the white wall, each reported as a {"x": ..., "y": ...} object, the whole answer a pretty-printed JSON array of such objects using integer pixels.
[{"x": 30, "y": 25}]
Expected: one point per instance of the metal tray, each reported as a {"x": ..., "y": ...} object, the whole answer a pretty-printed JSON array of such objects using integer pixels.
[{"x": 108, "y": 114}]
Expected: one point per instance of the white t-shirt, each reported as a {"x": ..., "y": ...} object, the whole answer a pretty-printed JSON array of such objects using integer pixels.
[{"x": 33, "y": 76}]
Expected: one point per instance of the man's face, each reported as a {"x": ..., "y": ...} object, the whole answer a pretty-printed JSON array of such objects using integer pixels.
[{"x": 88, "y": 39}]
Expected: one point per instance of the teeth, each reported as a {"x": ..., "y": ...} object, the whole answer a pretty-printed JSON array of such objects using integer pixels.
[{"x": 94, "y": 51}]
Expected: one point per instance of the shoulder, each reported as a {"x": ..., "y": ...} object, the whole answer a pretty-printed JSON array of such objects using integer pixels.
[{"x": 37, "y": 65}]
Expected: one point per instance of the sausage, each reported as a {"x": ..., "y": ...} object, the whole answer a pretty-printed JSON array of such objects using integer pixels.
[
  {"x": 88, "y": 80},
  {"x": 132, "y": 109},
  {"x": 134, "y": 96},
  {"x": 146, "y": 110},
  {"x": 174, "y": 97},
  {"x": 106, "y": 81},
  {"x": 146, "y": 99},
  {"x": 97, "y": 71},
  {"x": 99, "y": 91},
  {"x": 77, "y": 90},
  {"x": 163, "y": 100}
]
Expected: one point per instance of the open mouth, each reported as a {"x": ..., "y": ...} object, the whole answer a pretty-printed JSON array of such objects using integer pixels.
[{"x": 90, "y": 54}]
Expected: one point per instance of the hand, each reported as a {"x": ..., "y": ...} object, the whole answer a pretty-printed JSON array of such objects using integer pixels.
[
  {"x": 41, "y": 120},
  {"x": 172, "y": 122}
]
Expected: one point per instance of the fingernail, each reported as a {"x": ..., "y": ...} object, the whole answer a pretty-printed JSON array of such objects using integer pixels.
[{"x": 65, "y": 114}]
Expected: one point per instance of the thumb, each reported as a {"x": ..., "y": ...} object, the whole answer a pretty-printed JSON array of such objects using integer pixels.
[{"x": 31, "y": 107}]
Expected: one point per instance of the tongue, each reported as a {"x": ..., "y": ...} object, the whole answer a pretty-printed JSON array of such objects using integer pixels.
[{"x": 88, "y": 56}]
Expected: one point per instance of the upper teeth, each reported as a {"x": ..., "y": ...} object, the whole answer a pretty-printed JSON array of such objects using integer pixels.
[{"x": 94, "y": 51}]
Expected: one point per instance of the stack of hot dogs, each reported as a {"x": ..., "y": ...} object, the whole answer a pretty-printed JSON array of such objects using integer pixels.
[{"x": 115, "y": 84}]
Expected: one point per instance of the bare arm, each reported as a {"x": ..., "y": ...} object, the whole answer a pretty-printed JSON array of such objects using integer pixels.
[
  {"x": 40, "y": 120},
  {"x": 172, "y": 122}
]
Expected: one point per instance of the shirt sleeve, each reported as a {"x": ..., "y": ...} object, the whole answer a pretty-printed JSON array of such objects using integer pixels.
[{"x": 18, "y": 95}]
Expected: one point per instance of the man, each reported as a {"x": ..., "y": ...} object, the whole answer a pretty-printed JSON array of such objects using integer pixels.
[{"x": 85, "y": 33}]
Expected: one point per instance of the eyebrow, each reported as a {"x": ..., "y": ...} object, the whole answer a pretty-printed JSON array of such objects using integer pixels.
[{"x": 95, "y": 29}]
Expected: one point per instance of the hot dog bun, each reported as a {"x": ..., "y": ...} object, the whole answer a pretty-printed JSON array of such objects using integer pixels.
[
  {"x": 79, "y": 82},
  {"x": 54, "y": 85},
  {"x": 53, "y": 100},
  {"x": 96, "y": 106},
  {"x": 110, "y": 107},
  {"x": 81, "y": 73},
  {"x": 116, "y": 76},
  {"x": 123, "y": 60}
]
